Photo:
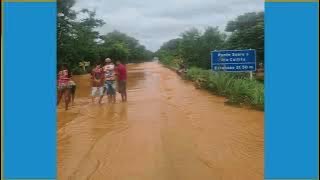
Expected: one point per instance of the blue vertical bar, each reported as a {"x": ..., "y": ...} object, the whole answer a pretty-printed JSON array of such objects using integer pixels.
[
  {"x": 291, "y": 90},
  {"x": 29, "y": 90}
]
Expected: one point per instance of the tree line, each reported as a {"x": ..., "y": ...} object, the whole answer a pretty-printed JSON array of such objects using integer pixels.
[
  {"x": 193, "y": 47},
  {"x": 78, "y": 40}
]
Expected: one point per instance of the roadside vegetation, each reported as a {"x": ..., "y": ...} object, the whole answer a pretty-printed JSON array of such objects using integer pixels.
[
  {"x": 238, "y": 90},
  {"x": 192, "y": 50}
]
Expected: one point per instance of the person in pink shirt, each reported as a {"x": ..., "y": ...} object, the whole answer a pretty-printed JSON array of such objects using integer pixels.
[
  {"x": 121, "y": 72},
  {"x": 64, "y": 86}
]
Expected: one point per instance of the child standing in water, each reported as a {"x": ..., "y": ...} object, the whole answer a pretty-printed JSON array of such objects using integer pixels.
[{"x": 97, "y": 78}]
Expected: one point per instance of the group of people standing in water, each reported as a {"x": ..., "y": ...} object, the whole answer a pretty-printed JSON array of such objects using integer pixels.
[{"x": 105, "y": 79}]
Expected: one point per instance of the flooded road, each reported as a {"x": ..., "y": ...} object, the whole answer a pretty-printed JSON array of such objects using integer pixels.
[{"x": 168, "y": 130}]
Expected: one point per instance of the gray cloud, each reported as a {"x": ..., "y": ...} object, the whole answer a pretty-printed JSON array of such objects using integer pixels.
[{"x": 155, "y": 22}]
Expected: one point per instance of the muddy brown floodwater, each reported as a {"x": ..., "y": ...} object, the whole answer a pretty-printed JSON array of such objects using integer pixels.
[{"x": 168, "y": 130}]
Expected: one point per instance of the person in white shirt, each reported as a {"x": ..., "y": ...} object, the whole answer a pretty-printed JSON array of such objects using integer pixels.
[{"x": 110, "y": 80}]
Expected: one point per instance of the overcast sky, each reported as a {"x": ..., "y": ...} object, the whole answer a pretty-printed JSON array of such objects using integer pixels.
[{"x": 154, "y": 22}]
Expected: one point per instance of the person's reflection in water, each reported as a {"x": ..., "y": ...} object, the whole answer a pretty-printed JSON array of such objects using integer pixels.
[{"x": 123, "y": 113}]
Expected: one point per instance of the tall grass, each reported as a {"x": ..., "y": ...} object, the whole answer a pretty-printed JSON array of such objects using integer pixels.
[{"x": 238, "y": 89}]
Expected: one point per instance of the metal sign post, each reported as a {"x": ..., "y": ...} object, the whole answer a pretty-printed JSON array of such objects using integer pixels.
[{"x": 251, "y": 73}]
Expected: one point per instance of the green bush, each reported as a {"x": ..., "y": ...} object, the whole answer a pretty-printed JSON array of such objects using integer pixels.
[
  {"x": 168, "y": 60},
  {"x": 237, "y": 88}
]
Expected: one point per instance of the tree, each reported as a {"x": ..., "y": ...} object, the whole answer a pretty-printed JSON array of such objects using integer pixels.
[
  {"x": 65, "y": 32},
  {"x": 189, "y": 46},
  {"x": 193, "y": 48},
  {"x": 85, "y": 37},
  {"x": 212, "y": 39},
  {"x": 118, "y": 51},
  {"x": 78, "y": 40},
  {"x": 247, "y": 33},
  {"x": 133, "y": 50}
]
